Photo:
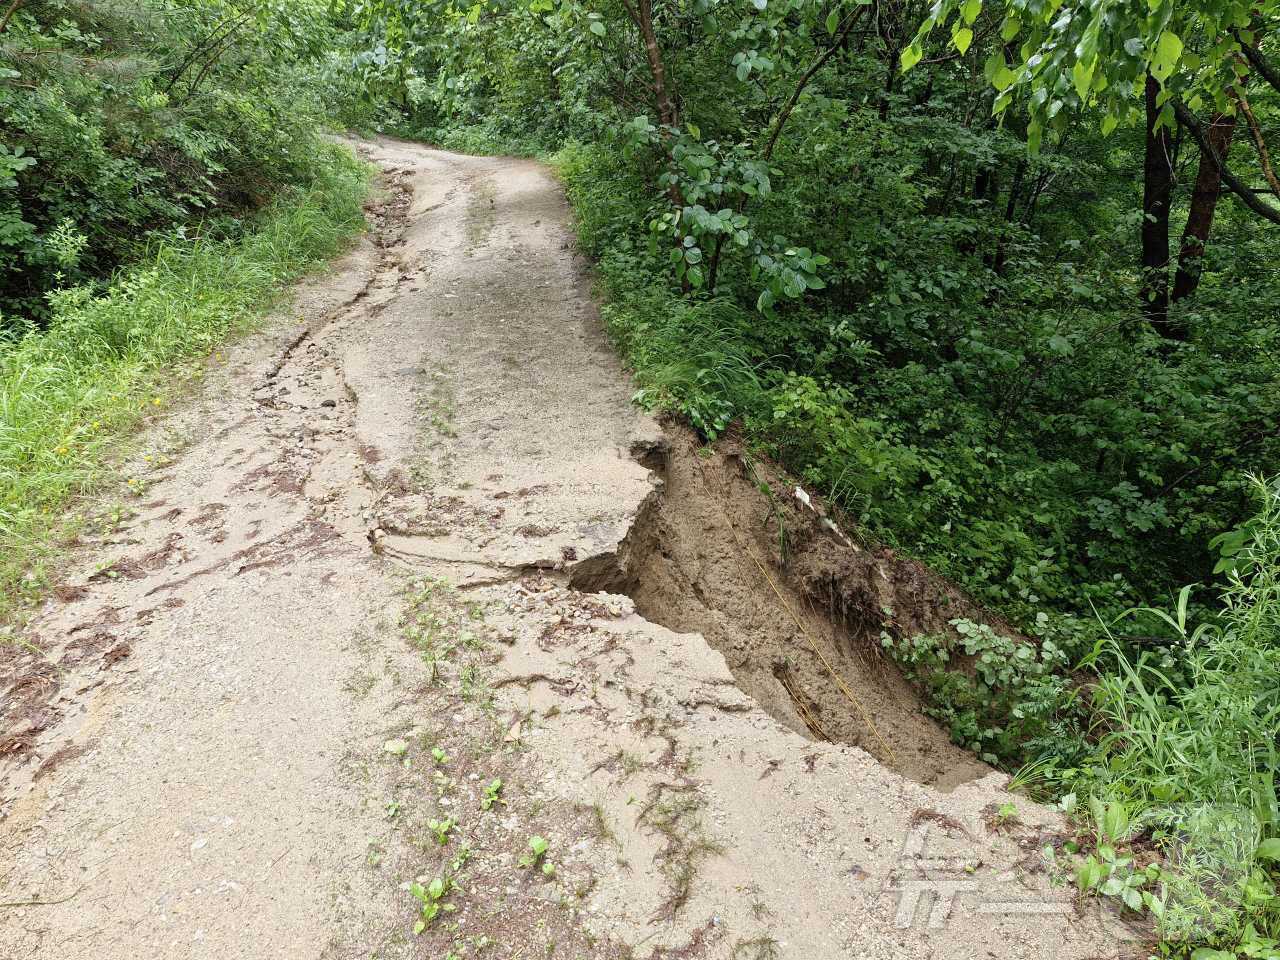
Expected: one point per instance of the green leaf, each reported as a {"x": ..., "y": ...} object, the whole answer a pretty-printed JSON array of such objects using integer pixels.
[
  {"x": 911, "y": 56},
  {"x": 597, "y": 28},
  {"x": 1088, "y": 875},
  {"x": 744, "y": 70},
  {"x": 1168, "y": 51},
  {"x": 1154, "y": 904},
  {"x": 993, "y": 64},
  {"x": 833, "y": 21},
  {"x": 1082, "y": 77},
  {"x": 1268, "y": 849},
  {"x": 962, "y": 38},
  {"x": 1011, "y": 28},
  {"x": 1061, "y": 345},
  {"x": 1109, "y": 123},
  {"x": 970, "y": 10},
  {"x": 1114, "y": 821}
]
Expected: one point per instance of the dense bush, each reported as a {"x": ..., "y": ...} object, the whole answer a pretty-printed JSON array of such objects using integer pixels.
[
  {"x": 122, "y": 124},
  {"x": 1026, "y": 434}
]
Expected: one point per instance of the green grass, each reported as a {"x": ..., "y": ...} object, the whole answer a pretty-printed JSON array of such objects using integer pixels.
[
  {"x": 1179, "y": 784},
  {"x": 70, "y": 393}
]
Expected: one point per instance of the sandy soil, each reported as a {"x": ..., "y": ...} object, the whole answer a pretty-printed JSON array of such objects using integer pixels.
[{"x": 348, "y": 639}]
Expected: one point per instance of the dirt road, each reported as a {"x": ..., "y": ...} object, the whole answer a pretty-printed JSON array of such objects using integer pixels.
[{"x": 345, "y": 641}]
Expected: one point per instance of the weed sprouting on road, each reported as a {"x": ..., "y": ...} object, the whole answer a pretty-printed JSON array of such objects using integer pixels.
[{"x": 475, "y": 873}]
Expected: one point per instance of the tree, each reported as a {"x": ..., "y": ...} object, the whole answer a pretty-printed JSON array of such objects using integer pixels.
[{"x": 1162, "y": 61}]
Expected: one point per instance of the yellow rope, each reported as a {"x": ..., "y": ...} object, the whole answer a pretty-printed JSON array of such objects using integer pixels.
[
  {"x": 809, "y": 720},
  {"x": 844, "y": 687}
]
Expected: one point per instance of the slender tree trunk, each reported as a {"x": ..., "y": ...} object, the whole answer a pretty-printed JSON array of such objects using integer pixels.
[
  {"x": 1204, "y": 203},
  {"x": 1010, "y": 208},
  {"x": 1264, "y": 155},
  {"x": 641, "y": 13},
  {"x": 1157, "y": 190},
  {"x": 8, "y": 14},
  {"x": 889, "y": 81},
  {"x": 1037, "y": 189}
]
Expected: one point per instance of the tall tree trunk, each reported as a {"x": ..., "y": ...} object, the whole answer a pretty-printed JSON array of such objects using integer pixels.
[
  {"x": 1157, "y": 190},
  {"x": 1010, "y": 208},
  {"x": 1204, "y": 202},
  {"x": 891, "y": 76},
  {"x": 641, "y": 13}
]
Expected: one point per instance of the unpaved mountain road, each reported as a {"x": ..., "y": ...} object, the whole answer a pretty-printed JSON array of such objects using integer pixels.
[{"x": 353, "y": 593}]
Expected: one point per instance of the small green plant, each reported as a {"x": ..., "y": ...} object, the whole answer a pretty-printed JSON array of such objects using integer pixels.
[
  {"x": 537, "y": 856},
  {"x": 441, "y": 829},
  {"x": 460, "y": 859},
  {"x": 1003, "y": 694},
  {"x": 439, "y": 756},
  {"x": 432, "y": 897},
  {"x": 491, "y": 794}
]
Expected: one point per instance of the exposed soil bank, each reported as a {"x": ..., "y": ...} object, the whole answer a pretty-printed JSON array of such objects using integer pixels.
[{"x": 794, "y": 606}]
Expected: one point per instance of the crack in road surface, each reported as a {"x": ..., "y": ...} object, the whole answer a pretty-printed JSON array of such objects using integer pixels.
[{"x": 345, "y": 604}]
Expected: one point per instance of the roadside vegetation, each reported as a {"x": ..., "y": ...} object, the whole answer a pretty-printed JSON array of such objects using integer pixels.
[
  {"x": 998, "y": 281},
  {"x": 162, "y": 175}
]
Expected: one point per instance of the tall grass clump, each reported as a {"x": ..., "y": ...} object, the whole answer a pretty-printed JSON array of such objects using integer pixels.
[
  {"x": 68, "y": 391},
  {"x": 1186, "y": 757}
]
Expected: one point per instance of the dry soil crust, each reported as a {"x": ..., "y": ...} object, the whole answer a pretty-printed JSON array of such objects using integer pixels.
[{"x": 356, "y": 592}]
